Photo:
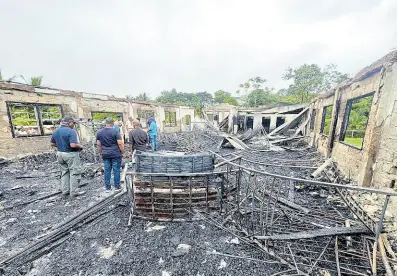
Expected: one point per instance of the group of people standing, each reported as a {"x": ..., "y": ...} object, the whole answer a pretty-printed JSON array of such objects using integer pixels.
[{"x": 111, "y": 149}]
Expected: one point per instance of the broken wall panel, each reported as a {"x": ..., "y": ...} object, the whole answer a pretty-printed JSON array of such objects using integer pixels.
[{"x": 373, "y": 163}]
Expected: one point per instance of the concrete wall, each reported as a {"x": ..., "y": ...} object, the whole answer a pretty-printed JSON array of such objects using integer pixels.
[
  {"x": 384, "y": 163},
  {"x": 375, "y": 164},
  {"x": 10, "y": 146},
  {"x": 77, "y": 105}
]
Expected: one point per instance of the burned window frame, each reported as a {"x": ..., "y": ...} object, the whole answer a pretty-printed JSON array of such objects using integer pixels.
[
  {"x": 170, "y": 123},
  {"x": 346, "y": 118},
  {"x": 323, "y": 119},
  {"x": 145, "y": 114},
  {"x": 118, "y": 114},
  {"x": 38, "y": 117}
]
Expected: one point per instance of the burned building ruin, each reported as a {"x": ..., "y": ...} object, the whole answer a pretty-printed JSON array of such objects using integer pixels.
[{"x": 305, "y": 189}]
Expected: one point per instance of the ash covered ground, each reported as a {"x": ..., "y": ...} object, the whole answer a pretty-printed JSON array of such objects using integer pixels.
[{"x": 106, "y": 245}]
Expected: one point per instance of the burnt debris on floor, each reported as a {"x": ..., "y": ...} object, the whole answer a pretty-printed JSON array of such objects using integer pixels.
[{"x": 277, "y": 208}]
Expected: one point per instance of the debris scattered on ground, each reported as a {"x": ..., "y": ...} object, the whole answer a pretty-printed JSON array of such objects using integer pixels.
[
  {"x": 233, "y": 241},
  {"x": 222, "y": 265},
  {"x": 155, "y": 228},
  {"x": 108, "y": 252},
  {"x": 293, "y": 237},
  {"x": 182, "y": 249}
]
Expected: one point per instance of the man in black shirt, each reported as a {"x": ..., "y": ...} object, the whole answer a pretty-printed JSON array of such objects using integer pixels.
[
  {"x": 138, "y": 138},
  {"x": 111, "y": 149}
]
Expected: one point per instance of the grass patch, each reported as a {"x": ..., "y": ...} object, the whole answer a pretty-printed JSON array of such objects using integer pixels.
[{"x": 356, "y": 142}]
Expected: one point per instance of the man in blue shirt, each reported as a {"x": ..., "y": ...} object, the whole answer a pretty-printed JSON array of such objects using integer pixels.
[
  {"x": 153, "y": 133},
  {"x": 116, "y": 126},
  {"x": 111, "y": 149},
  {"x": 68, "y": 147}
]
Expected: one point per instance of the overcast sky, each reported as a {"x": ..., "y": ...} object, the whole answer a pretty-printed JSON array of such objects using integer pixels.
[{"x": 127, "y": 47}]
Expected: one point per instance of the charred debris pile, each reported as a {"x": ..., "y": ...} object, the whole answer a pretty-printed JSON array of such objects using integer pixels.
[{"x": 277, "y": 197}]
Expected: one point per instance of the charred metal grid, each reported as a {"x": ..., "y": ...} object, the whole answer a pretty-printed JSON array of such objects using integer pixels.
[
  {"x": 168, "y": 187},
  {"x": 175, "y": 197},
  {"x": 159, "y": 163},
  {"x": 267, "y": 211}
]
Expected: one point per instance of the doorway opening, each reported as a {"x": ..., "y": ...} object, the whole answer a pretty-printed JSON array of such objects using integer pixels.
[
  {"x": 249, "y": 122},
  {"x": 266, "y": 122}
]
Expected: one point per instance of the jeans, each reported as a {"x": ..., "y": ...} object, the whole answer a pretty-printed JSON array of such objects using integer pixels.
[
  {"x": 109, "y": 165},
  {"x": 70, "y": 172},
  {"x": 153, "y": 142}
]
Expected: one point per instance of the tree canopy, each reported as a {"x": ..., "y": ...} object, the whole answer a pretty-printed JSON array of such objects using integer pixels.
[
  {"x": 36, "y": 81},
  {"x": 221, "y": 96},
  {"x": 310, "y": 80},
  {"x": 197, "y": 100},
  {"x": 142, "y": 97}
]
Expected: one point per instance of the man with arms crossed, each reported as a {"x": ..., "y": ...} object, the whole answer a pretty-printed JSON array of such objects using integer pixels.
[
  {"x": 68, "y": 147},
  {"x": 111, "y": 149}
]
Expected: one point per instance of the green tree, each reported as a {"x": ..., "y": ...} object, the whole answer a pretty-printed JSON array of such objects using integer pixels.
[
  {"x": 36, "y": 81},
  {"x": 142, "y": 97},
  {"x": 255, "y": 92},
  {"x": 197, "y": 100},
  {"x": 307, "y": 81},
  {"x": 221, "y": 96},
  {"x": 261, "y": 97},
  {"x": 310, "y": 80},
  {"x": 100, "y": 116},
  {"x": 359, "y": 114},
  {"x": 332, "y": 77}
]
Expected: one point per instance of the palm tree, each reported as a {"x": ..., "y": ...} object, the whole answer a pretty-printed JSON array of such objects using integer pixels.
[
  {"x": 36, "y": 81},
  {"x": 142, "y": 97}
]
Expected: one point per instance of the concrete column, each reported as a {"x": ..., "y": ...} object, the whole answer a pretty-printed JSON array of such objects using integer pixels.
[{"x": 273, "y": 122}]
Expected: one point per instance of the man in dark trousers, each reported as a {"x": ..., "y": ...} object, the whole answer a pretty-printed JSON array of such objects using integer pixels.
[
  {"x": 138, "y": 138},
  {"x": 111, "y": 149},
  {"x": 68, "y": 148}
]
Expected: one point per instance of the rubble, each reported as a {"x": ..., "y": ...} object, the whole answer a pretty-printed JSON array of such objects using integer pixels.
[
  {"x": 269, "y": 224},
  {"x": 181, "y": 250}
]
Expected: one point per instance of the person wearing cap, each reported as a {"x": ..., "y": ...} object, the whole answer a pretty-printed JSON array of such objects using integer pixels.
[
  {"x": 66, "y": 141},
  {"x": 111, "y": 149}
]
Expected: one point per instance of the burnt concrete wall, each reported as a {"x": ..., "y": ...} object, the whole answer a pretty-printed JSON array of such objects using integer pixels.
[
  {"x": 385, "y": 160},
  {"x": 77, "y": 105},
  {"x": 10, "y": 146},
  {"x": 374, "y": 164}
]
